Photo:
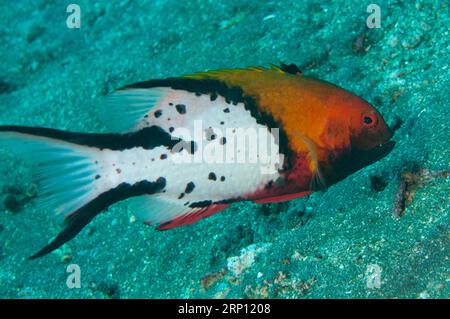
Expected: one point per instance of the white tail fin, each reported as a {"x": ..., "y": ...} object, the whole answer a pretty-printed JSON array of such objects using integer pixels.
[{"x": 65, "y": 171}]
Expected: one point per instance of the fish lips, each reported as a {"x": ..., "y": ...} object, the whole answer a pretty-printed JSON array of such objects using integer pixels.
[
  {"x": 364, "y": 158},
  {"x": 354, "y": 160}
]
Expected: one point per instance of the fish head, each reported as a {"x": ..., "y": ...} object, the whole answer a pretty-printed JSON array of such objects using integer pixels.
[
  {"x": 368, "y": 130},
  {"x": 355, "y": 134}
]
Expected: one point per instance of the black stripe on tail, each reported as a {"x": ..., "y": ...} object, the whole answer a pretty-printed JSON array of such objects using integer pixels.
[{"x": 76, "y": 221}]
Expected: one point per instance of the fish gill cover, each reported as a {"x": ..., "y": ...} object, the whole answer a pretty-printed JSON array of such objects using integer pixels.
[{"x": 382, "y": 232}]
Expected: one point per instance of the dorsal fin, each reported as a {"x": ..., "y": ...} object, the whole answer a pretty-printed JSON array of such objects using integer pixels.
[{"x": 124, "y": 108}]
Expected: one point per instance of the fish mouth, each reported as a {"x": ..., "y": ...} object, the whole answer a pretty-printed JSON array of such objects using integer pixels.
[
  {"x": 367, "y": 157},
  {"x": 355, "y": 160},
  {"x": 380, "y": 151}
]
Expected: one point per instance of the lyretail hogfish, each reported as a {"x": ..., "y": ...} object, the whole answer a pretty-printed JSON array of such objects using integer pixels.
[{"x": 184, "y": 148}]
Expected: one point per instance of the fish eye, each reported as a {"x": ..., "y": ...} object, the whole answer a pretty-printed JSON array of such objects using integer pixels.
[{"x": 369, "y": 120}]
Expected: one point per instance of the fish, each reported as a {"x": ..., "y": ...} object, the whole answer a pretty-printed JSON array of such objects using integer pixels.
[{"x": 183, "y": 148}]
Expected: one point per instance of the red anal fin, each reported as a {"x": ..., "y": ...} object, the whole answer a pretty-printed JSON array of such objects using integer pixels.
[
  {"x": 281, "y": 198},
  {"x": 193, "y": 216}
]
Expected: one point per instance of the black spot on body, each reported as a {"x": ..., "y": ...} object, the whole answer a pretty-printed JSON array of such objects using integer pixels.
[
  {"x": 158, "y": 113},
  {"x": 269, "y": 185},
  {"x": 181, "y": 108},
  {"x": 181, "y": 196},
  {"x": 212, "y": 176},
  {"x": 171, "y": 129},
  {"x": 227, "y": 110},
  {"x": 222, "y": 122},
  {"x": 213, "y": 96},
  {"x": 223, "y": 141},
  {"x": 210, "y": 134},
  {"x": 97, "y": 176},
  {"x": 163, "y": 156},
  {"x": 222, "y": 178},
  {"x": 189, "y": 187}
]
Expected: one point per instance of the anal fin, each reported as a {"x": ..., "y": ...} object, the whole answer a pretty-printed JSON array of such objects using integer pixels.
[
  {"x": 193, "y": 216},
  {"x": 169, "y": 213},
  {"x": 281, "y": 198}
]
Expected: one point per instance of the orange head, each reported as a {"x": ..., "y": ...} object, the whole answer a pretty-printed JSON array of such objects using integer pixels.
[{"x": 355, "y": 136}]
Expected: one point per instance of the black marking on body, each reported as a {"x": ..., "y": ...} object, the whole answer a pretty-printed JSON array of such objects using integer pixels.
[
  {"x": 97, "y": 176},
  {"x": 181, "y": 196},
  {"x": 76, "y": 221},
  {"x": 210, "y": 135},
  {"x": 163, "y": 156},
  {"x": 181, "y": 108},
  {"x": 222, "y": 178},
  {"x": 212, "y": 176},
  {"x": 223, "y": 141},
  {"x": 226, "y": 110},
  {"x": 203, "y": 203},
  {"x": 189, "y": 187},
  {"x": 171, "y": 129},
  {"x": 206, "y": 203},
  {"x": 158, "y": 113},
  {"x": 147, "y": 138}
]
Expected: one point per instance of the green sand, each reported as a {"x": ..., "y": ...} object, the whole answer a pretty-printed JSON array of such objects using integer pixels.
[{"x": 316, "y": 247}]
